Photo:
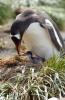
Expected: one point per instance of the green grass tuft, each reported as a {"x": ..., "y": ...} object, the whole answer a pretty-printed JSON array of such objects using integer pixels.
[
  {"x": 56, "y": 63},
  {"x": 6, "y": 13}
]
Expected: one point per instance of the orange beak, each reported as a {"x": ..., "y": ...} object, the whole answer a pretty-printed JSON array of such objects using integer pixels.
[
  {"x": 17, "y": 43},
  {"x": 18, "y": 48}
]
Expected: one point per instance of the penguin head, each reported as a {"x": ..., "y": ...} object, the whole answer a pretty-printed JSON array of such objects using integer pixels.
[
  {"x": 16, "y": 35},
  {"x": 19, "y": 27},
  {"x": 29, "y": 54}
]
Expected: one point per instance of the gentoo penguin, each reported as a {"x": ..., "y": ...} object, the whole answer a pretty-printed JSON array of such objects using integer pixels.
[{"x": 38, "y": 32}]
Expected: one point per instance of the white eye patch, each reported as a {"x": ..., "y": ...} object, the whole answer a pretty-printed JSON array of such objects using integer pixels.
[
  {"x": 55, "y": 33},
  {"x": 16, "y": 36}
]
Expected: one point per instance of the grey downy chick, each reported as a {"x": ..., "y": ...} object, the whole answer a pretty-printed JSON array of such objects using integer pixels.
[{"x": 34, "y": 59}]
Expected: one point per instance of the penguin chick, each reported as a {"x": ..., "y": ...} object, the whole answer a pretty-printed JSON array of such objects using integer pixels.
[{"x": 34, "y": 59}]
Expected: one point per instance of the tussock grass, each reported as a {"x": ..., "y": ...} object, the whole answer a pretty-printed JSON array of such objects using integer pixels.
[
  {"x": 32, "y": 84},
  {"x": 56, "y": 63}
]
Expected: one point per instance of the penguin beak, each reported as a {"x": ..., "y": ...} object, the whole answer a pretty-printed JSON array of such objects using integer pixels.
[
  {"x": 17, "y": 43},
  {"x": 18, "y": 48}
]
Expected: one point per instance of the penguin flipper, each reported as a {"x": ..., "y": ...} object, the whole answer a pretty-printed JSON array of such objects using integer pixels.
[{"x": 54, "y": 35}]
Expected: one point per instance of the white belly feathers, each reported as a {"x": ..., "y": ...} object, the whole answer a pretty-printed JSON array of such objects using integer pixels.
[{"x": 38, "y": 40}]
